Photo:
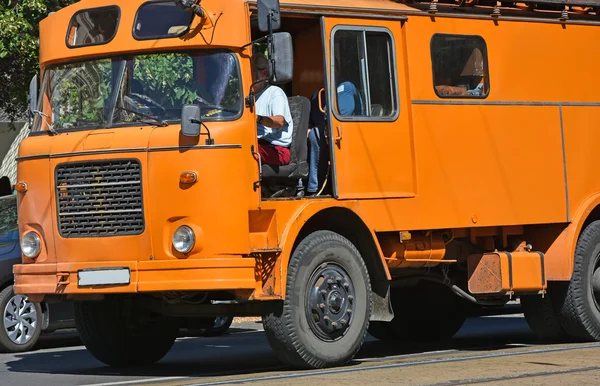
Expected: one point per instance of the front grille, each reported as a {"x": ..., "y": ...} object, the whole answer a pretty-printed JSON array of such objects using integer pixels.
[{"x": 99, "y": 198}]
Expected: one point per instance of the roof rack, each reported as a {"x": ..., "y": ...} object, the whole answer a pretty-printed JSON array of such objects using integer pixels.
[
  {"x": 552, "y": 4},
  {"x": 566, "y": 7}
]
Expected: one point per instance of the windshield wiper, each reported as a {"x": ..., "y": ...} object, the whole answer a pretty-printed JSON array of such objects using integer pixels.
[
  {"x": 159, "y": 122},
  {"x": 50, "y": 126}
]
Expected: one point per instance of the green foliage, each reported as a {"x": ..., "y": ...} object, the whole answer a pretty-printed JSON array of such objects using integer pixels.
[
  {"x": 19, "y": 47},
  {"x": 80, "y": 92},
  {"x": 167, "y": 78}
]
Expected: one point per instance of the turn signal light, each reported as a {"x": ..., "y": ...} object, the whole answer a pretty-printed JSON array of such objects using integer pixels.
[
  {"x": 188, "y": 177},
  {"x": 21, "y": 187}
]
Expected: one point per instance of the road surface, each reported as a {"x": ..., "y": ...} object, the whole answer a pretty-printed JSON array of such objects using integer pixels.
[{"x": 489, "y": 350}]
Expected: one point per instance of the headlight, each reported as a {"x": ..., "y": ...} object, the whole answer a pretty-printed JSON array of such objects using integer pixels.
[
  {"x": 184, "y": 239},
  {"x": 30, "y": 245}
]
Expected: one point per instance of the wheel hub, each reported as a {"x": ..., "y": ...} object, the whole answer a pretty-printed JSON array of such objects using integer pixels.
[
  {"x": 20, "y": 319},
  {"x": 330, "y": 302}
]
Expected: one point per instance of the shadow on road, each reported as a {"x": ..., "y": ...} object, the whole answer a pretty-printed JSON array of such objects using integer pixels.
[{"x": 243, "y": 353}]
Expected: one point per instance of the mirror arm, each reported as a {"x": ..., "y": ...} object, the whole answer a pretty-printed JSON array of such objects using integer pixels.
[
  {"x": 209, "y": 141},
  {"x": 255, "y": 41},
  {"x": 251, "y": 95}
]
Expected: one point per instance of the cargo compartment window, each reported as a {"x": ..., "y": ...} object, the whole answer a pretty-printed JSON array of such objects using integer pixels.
[
  {"x": 364, "y": 74},
  {"x": 460, "y": 68},
  {"x": 91, "y": 27},
  {"x": 159, "y": 20}
]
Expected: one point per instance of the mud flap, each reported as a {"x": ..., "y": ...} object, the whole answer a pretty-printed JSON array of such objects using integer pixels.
[{"x": 382, "y": 305}]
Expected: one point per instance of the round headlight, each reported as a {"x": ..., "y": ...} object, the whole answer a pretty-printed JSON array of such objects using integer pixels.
[
  {"x": 184, "y": 239},
  {"x": 30, "y": 245}
]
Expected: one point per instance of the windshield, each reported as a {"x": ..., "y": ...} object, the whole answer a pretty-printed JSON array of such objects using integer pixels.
[{"x": 148, "y": 88}]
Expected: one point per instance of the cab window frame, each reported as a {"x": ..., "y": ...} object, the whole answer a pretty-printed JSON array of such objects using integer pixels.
[
  {"x": 187, "y": 50},
  {"x": 158, "y": 37},
  {"x": 392, "y": 62},
  {"x": 484, "y": 54},
  {"x": 117, "y": 26}
]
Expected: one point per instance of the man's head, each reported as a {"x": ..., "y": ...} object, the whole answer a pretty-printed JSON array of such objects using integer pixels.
[{"x": 261, "y": 70}]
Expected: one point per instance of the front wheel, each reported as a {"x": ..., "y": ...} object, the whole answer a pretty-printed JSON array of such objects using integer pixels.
[
  {"x": 120, "y": 336},
  {"x": 324, "y": 318}
]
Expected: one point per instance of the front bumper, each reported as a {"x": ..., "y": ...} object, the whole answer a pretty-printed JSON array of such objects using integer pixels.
[{"x": 206, "y": 274}]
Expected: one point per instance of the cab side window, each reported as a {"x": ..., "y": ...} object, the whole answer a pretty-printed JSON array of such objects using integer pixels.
[
  {"x": 460, "y": 67},
  {"x": 364, "y": 73}
]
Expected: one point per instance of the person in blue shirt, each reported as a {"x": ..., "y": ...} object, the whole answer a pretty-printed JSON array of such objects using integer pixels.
[{"x": 349, "y": 103}]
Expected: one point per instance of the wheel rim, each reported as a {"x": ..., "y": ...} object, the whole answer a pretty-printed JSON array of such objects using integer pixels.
[
  {"x": 220, "y": 322},
  {"x": 330, "y": 302},
  {"x": 20, "y": 319}
]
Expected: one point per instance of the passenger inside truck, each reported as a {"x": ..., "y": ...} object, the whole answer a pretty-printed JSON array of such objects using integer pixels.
[{"x": 459, "y": 66}]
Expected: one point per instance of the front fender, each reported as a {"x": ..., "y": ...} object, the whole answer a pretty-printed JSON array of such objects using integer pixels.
[{"x": 295, "y": 223}]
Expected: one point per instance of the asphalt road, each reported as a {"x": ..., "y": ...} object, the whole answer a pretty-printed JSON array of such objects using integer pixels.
[{"x": 486, "y": 350}]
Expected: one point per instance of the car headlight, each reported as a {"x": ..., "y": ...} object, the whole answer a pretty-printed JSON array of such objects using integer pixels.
[
  {"x": 31, "y": 245},
  {"x": 184, "y": 239}
]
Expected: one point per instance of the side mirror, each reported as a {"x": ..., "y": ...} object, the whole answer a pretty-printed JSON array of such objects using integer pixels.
[
  {"x": 269, "y": 16},
  {"x": 282, "y": 55},
  {"x": 190, "y": 120},
  {"x": 33, "y": 94}
]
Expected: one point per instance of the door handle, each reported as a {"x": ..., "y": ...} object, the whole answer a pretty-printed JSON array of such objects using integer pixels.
[
  {"x": 256, "y": 184},
  {"x": 338, "y": 137}
]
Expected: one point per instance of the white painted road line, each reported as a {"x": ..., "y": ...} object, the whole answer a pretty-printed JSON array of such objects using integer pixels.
[{"x": 138, "y": 381}]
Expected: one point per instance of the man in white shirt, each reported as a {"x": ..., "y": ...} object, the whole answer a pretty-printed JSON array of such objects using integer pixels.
[{"x": 273, "y": 117}]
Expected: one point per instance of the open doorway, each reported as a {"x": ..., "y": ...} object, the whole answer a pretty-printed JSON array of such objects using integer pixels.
[{"x": 307, "y": 175}]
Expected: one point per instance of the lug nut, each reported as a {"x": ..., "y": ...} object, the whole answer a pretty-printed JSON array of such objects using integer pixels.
[
  {"x": 334, "y": 325},
  {"x": 349, "y": 311},
  {"x": 338, "y": 279},
  {"x": 326, "y": 318},
  {"x": 321, "y": 306},
  {"x": 323, "y": 292},
  {"x": 343, "y": 322},
  {"x": 329, "y": 281},
  {"x": 346, "y": 286},
  {"x": 350, "y": 298}
]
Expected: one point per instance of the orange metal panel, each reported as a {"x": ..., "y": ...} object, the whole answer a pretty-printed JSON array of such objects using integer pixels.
[{"x": 374, "y": 159}]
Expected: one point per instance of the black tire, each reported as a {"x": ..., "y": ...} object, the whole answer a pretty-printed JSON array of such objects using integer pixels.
[
  {"x": 542, "y": 314},
  {"x": 299, "y": 331},
  {"x": 30, "y": 322},
  {"x": 580, "y": 311},
  {"x": 118, "y": 340},
  {"x": 428, "y": 312}
]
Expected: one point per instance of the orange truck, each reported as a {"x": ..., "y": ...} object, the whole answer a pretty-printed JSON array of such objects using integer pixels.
[{"x": 465, "y": 179}]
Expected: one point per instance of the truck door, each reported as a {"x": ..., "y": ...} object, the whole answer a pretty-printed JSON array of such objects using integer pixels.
[{"x": 370, "y": 133}]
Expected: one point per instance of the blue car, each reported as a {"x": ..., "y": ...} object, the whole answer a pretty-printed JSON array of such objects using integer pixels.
[{"x": 22, "y": 322}]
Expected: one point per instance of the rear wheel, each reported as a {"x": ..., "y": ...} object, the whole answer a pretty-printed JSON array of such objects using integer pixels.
[
  {"x": 324, "y": 318},
  {"x": 580, "y": 310},
  {"x": 122, "y": 336},
  {"x": 430, "y": 311},
  {"x": 21, "y": 323}
]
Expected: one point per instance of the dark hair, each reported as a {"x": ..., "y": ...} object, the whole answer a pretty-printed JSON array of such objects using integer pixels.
[{"x": 5, "y": 186}]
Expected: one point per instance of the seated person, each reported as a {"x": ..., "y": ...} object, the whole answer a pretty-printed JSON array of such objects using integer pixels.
[
  {"x": 349, "y": 103},
  {"x": 273, "y": 118}
]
